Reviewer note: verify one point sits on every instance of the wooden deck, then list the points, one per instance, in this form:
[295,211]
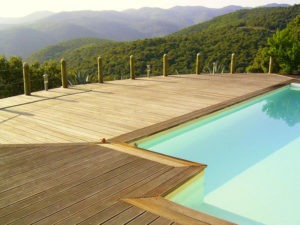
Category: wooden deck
[53,171]
[88,113]
[81,183]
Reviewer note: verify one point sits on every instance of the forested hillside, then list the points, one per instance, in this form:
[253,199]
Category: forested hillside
[24,39]
[284,48]
[62,49]
[253,35]
[243,32]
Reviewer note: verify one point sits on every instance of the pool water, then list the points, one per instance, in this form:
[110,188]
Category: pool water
[252,151]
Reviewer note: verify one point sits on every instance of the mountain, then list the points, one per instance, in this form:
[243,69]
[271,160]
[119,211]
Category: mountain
[243,32]
[7,21]
[275,5]
[121,26]
[62,49]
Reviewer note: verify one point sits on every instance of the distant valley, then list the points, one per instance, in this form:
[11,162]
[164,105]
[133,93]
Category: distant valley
[23,36]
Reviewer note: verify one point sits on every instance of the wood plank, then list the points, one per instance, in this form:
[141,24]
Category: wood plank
[161,221]
[106,215]
[69,182]
[94,209]
[126,216]
[175,212]
[56,168]
[145,218]
[88,191]
[131,190]
[153,205]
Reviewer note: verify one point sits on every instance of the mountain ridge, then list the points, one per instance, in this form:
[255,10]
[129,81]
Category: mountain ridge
[119,26]
[132,24]
[25,19]
[243,32]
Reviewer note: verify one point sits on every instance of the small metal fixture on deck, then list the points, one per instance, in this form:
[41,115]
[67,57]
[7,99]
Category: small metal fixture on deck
[148,70]
[45,81]
[214,68]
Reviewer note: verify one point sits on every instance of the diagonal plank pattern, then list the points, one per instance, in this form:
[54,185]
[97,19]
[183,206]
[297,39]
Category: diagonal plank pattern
[79,183]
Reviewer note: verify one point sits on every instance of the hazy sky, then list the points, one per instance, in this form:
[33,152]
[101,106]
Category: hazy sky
[17,8]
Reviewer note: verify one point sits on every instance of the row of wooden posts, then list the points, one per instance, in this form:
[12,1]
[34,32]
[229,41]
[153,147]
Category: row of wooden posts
[26,75]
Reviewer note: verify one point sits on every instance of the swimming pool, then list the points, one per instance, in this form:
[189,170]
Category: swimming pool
[252,151]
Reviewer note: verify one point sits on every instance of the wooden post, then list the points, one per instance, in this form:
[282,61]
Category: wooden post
[64,73]
[270,65]
[165,65]
[26,79]
[198,64]
[132,69]
[100,70]
[232,65]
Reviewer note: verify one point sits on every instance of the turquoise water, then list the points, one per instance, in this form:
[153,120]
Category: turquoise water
[252,152]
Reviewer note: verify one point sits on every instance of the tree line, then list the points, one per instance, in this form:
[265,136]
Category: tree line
[11,76]
[251,34]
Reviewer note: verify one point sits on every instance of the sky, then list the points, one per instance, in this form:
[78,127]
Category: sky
[19,8]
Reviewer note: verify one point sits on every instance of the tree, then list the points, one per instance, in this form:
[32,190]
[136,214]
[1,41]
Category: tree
[284,45]
[37,70]
[11,76]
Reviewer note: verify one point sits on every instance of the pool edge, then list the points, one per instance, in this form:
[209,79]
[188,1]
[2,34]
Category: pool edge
[156,204]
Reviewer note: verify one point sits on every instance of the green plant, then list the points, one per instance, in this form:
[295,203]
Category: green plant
[80,78]
[215,68]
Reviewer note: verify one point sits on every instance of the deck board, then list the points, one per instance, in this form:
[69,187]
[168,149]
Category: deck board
[54,185]
[145,218]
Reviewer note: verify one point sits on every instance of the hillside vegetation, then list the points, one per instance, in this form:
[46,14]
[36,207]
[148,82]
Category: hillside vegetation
[24,39]
[243,32]
[253,35]
[62,49]
[284,48]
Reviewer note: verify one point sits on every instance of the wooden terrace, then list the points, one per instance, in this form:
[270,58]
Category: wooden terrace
[55,170]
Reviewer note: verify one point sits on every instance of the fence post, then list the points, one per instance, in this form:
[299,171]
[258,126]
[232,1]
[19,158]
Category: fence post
[132,69]
[64,73]
[26,79]
[270,65]
[165,65]
[232,65]
[100,70]
[198,64]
